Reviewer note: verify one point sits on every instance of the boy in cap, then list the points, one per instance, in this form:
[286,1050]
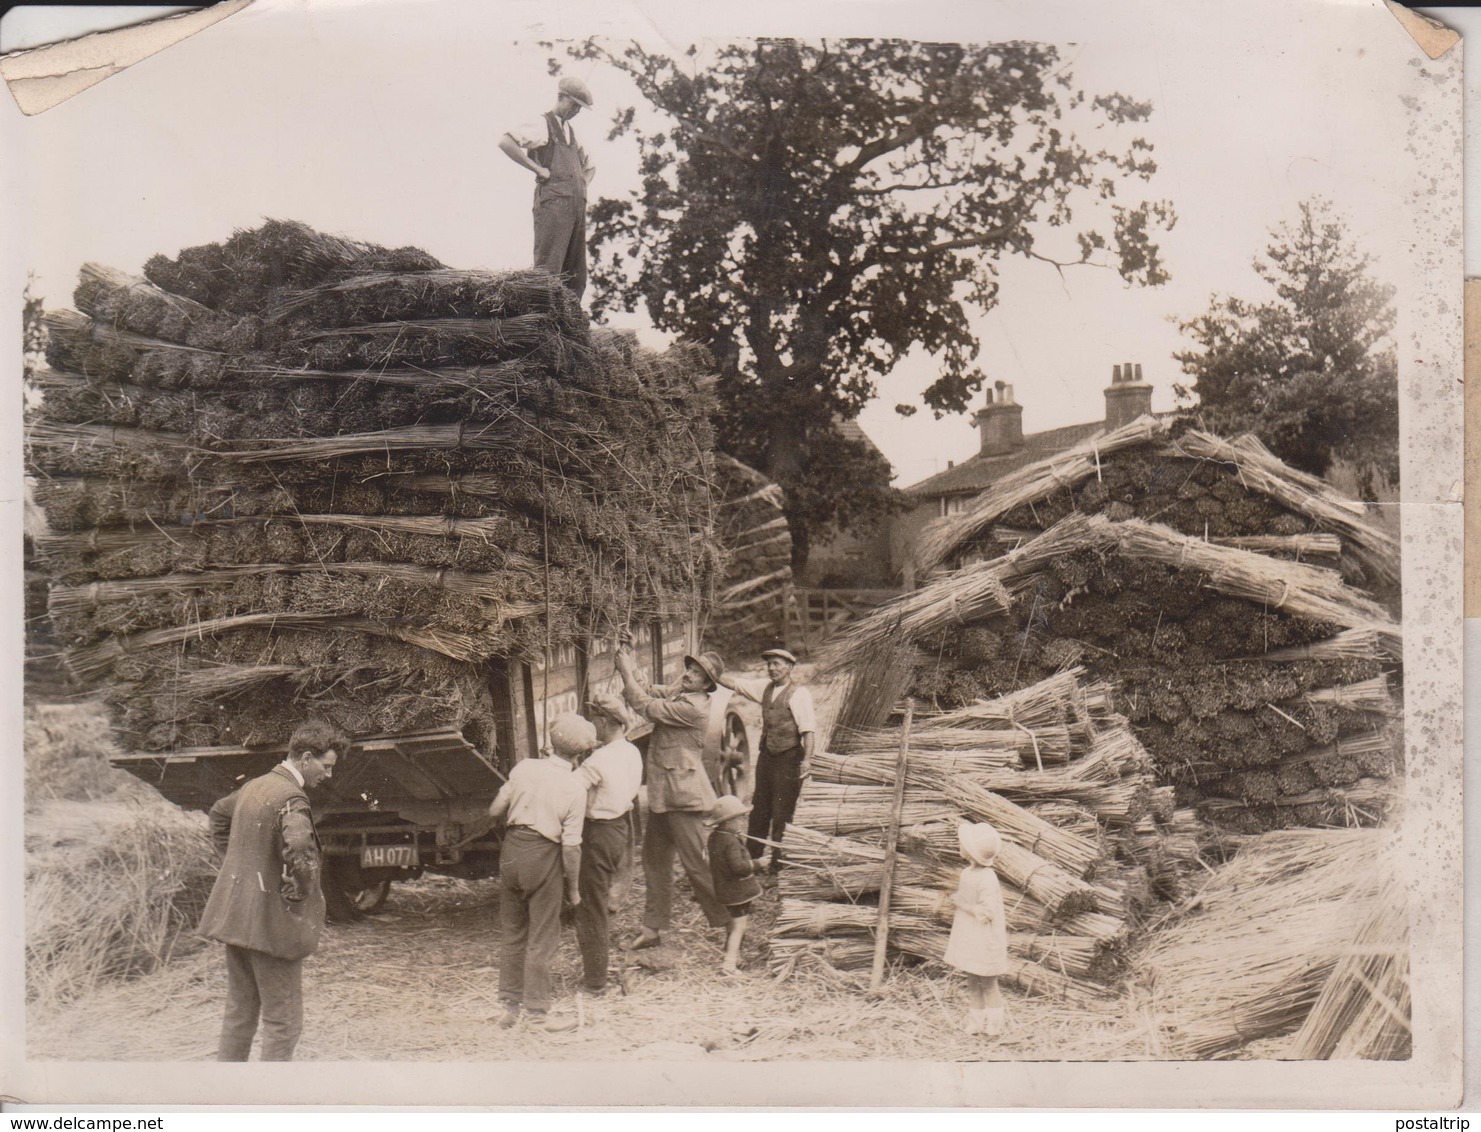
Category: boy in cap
[680,792]
[547,147]
[733,872]
[544,804]
[612,775]
[788,727]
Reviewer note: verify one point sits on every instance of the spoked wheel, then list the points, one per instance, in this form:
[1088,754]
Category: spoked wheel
[349,894]
[735,748]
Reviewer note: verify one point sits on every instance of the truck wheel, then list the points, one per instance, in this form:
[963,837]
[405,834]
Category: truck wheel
[736,741]
[348,894]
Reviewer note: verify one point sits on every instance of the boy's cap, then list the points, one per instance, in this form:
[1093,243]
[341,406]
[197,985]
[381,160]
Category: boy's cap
[726,807]
[610,706]
[572,734]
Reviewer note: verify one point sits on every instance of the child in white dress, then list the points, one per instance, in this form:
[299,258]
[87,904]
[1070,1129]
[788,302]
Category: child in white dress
[979,932]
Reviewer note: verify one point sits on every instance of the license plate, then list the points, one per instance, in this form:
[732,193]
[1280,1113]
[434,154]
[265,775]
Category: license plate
[388,857]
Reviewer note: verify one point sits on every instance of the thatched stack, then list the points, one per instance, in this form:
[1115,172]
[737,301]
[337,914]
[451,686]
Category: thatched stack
[1230,492]
[1259,685]
[1299,919]
[751,606]
[297,471]
[1087,837]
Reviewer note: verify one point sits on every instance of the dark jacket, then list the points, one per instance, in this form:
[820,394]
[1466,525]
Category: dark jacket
[731,868]
[267,896]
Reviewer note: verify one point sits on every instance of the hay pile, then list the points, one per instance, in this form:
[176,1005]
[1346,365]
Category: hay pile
[1295,912]
[1259,685]
[292,471]
[1230,492]
[1089,841]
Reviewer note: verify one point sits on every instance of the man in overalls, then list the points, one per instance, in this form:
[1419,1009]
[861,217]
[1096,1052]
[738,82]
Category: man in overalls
[788,725]
[547,147]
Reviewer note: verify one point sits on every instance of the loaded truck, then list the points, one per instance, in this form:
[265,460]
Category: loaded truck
[401,805]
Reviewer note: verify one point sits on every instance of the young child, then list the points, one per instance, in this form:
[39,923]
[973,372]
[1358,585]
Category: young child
[733,872]
[979,931]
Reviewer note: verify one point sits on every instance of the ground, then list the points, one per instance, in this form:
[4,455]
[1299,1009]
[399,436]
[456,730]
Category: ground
[419,983]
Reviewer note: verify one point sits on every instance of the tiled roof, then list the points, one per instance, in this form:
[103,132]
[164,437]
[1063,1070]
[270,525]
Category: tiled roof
[850,430]
[980,472]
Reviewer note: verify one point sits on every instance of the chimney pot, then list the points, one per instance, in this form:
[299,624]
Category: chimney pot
[1116,375]
[1000,423]
[1127,397]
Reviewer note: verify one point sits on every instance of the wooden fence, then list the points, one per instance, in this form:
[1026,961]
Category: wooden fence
[818,614]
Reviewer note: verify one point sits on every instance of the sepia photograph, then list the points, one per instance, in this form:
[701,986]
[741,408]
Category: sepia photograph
[652,556]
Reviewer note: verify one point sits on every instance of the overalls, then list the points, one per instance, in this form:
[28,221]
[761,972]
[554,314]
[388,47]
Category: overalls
[560,207]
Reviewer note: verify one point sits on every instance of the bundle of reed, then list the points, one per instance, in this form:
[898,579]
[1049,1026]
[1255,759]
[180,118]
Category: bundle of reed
[1028,484]
[1071,853]
[1249,956]
[1258,467]
[1350,644]
[834,809]
[465,435]
[1298,546]
[1072,817]
[1363,1010]
[1048,746]
[1366,695]
[409,294]
[822,918]
[1049,702]
[1162,803]
[128,302]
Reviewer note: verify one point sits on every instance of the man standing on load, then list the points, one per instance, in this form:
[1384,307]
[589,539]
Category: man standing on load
[547,147]
[788,725]
[267,905]
[680,791]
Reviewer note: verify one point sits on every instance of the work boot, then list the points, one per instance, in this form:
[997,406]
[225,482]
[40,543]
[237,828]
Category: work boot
[510,1017]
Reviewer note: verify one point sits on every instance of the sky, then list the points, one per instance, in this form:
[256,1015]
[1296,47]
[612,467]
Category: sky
[379,119]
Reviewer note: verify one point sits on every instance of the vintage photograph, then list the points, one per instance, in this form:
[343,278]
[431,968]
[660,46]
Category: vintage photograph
[793,538]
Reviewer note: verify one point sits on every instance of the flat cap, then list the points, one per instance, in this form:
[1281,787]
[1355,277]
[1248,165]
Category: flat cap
[577,89]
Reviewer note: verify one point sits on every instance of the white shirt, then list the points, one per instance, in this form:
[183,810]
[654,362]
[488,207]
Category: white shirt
[545,795]
[295,772]
[612,774]
[800,703]
[533,133]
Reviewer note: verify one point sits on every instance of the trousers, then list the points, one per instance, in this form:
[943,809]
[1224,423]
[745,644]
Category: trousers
[603,845]
[529,917]
[560,238]
[682,833]
[261,986]
[773,805]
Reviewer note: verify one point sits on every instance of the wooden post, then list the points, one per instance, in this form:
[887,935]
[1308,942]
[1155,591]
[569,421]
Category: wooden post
[892,839]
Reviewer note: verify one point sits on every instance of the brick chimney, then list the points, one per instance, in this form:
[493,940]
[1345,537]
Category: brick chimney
[1001,422]
[1127,397]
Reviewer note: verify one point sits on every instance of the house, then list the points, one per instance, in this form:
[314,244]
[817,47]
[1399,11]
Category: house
[1004,449]
[851,560]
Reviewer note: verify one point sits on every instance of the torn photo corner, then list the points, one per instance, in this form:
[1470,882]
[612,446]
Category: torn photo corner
[896,420]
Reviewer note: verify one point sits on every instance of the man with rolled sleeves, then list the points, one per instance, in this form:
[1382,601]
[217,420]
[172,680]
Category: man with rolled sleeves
[680,791]
[612,775]
[267,905]
[788,728]
[547,147]
[544,806]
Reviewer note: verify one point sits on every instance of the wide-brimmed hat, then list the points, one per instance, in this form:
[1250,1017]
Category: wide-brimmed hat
[710,663]
[780,654]
[610,706]
[576,89]
[727,806]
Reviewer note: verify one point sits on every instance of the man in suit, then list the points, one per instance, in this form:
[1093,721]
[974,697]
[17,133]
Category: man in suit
[681,789]
[267,906]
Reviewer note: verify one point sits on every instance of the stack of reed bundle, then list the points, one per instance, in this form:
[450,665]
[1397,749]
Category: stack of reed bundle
[1251,681]
[1070,906]
[1250,956]
[1234,492]
[752,603]
[295,472]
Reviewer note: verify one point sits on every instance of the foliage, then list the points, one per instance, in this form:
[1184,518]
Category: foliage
[813,211]
[1312,372]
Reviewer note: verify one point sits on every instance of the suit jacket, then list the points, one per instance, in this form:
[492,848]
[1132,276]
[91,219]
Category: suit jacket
[267,896]
[678,778]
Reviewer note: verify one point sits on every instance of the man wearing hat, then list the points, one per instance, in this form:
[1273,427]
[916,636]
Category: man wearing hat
[544,805]
[547,147]
[788,726]
[612,775]
[680,791]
